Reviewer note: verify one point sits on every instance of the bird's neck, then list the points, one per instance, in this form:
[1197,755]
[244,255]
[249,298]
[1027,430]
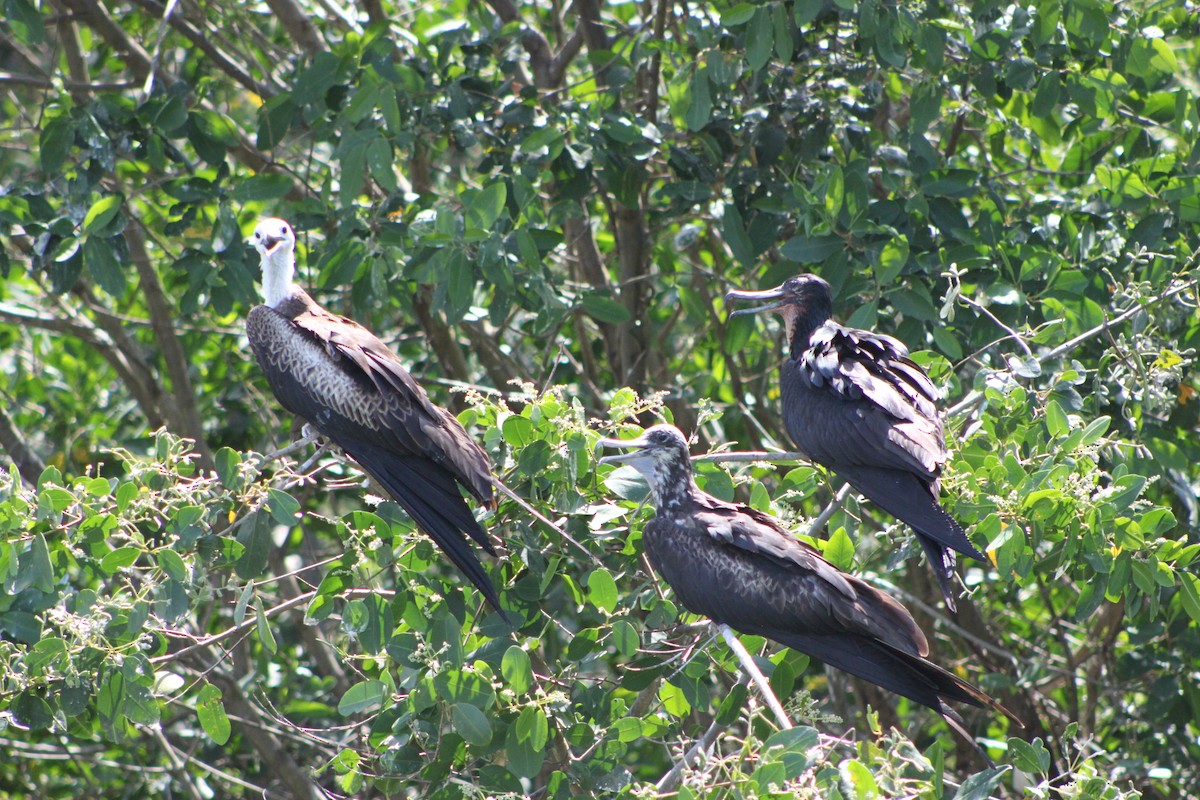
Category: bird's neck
[673,487]
[801,325]
[278,271]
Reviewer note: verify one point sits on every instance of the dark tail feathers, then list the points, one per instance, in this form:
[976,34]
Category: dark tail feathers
[905,674]
[431,497]
[907,498]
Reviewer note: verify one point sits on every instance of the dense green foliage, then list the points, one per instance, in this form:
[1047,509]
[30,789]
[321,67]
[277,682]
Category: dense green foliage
[540,209]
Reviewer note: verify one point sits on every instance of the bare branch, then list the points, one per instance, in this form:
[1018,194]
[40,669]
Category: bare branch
[755,674]
[11,441]
[98,18]
[220,58]
[293,19]
[183,396]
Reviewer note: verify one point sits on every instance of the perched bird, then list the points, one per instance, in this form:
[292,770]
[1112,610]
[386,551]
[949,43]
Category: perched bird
[739,567]
[338,376]
[855,403]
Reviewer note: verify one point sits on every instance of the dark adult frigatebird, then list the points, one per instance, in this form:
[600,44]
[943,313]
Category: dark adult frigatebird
[739,567]
[855,403]
[338,376]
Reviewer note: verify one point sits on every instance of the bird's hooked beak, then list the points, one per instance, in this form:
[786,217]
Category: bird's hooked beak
[772,299]
[635,446]
[264,244]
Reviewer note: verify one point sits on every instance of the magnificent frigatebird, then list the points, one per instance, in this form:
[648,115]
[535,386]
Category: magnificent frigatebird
[855,403]
[336,374]
[739,567]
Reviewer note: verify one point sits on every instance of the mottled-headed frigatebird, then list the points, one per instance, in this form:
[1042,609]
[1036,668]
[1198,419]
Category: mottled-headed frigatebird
[338,376]
[855,403]
[738,566]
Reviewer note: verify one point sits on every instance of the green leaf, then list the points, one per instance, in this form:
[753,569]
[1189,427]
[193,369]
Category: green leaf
[732,704]
[1189,594]
[735,236]
[267,186]
[625,638]
[760,39]
[1056,420]
[485,206]
[471,724]
[120,558]
[363,698]
[699,110]
[265,636]
[673,700]
[255,536]
[211,712]
[1094,430]
[103,266]
[284,508]
[892,258]
[55,143]
[602,308]
[602,590]
[532,727]
[25,21]
[859,779]
[739,14]
[517,669]
[981,785]
[171,563]
[102,212]
[1031,757]
[839,550]
[379,159]
[524,759]
[811,249]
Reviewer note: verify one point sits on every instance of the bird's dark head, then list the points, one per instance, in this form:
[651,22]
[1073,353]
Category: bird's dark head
[805,301]
[661,455]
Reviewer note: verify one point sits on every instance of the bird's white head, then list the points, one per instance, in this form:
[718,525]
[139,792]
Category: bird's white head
[276,245]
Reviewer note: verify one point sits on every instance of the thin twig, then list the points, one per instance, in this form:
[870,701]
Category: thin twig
[756,675]
[975,397]
[543,519]
[828,511]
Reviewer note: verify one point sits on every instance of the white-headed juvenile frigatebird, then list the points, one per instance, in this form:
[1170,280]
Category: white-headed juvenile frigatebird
[738,566]
[338,376]
[855,403]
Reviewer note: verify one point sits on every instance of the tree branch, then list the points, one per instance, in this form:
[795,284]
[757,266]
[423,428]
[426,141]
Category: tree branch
[28,463]
[297,24]
[755,674]
[220,58]
[98,18]
[183,396]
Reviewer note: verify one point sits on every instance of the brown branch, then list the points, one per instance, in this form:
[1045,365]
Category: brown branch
[11,441]
[375,13]
[132,53]
[125,355]
[445,347]
[182,400]
[14,79]
[594,36]
[68,37]
[563,58]
[655,71]
[128,364]
[221,60]
[269,746]
[499,367]
[297,24]
[540,56]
